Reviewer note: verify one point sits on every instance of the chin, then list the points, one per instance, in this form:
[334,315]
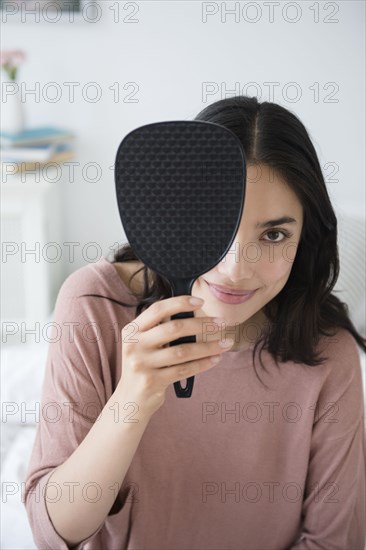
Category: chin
[231,317]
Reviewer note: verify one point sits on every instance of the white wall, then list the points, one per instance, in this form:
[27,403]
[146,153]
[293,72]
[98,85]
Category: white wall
[170,52]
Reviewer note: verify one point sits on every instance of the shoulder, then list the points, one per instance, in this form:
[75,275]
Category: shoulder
[101,277]
[342,367]
[341,347]
[341,350]
[93,290]
[92,304]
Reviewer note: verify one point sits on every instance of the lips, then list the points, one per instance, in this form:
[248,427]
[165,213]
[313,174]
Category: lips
[227,298]
[233,292]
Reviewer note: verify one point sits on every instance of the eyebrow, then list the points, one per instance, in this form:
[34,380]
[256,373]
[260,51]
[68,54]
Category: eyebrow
[279,221]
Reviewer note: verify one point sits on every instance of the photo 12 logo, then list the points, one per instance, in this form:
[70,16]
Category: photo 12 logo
[68,11]
[269,12]
[290,92]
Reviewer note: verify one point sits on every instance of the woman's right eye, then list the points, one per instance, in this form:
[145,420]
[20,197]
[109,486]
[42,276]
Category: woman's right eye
[285,234]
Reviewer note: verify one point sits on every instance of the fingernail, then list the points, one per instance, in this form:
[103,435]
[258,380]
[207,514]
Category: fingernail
[196,301]
[226,343]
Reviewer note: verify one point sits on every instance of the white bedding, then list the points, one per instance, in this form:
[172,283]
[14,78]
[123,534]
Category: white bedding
[22,371]
[15,530]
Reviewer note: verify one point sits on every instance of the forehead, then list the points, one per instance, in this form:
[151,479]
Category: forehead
[268,196]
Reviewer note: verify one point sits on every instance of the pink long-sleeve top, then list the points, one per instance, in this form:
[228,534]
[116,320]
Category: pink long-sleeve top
[235,466]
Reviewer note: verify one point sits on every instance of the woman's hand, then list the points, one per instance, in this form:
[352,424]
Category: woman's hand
[150,365]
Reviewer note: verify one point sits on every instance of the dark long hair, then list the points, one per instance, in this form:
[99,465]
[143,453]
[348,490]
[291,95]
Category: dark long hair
[305,308]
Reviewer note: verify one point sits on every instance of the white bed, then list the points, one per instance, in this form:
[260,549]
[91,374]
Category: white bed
[22,370]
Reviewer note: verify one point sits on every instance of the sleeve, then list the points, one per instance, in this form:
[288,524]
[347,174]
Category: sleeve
[334,510]
[73,395]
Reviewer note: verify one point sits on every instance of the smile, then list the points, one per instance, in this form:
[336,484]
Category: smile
[230,298]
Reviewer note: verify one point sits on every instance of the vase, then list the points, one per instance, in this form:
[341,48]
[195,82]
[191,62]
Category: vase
[12,118]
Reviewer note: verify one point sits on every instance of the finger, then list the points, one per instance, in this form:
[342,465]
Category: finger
[169,375]
[161,309]
[186,352]
[161,335]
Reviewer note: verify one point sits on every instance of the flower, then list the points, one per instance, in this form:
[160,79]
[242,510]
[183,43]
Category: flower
[10,61]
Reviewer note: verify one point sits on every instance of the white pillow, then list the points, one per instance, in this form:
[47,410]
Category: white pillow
[351,285]
[22,373]
[15,528]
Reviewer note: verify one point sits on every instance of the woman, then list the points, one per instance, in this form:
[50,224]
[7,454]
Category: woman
[272,459]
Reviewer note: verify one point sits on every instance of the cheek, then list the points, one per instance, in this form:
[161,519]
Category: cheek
[275,268]
[197,287]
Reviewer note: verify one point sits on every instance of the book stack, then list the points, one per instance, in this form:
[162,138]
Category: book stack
[34,148]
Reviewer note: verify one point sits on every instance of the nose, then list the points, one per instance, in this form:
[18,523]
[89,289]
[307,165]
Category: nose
[239,262]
